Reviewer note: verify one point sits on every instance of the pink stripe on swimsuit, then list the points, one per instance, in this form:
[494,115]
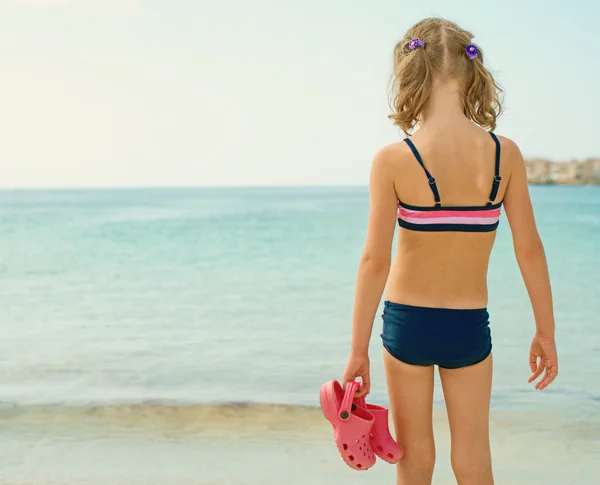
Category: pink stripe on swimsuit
[486,216]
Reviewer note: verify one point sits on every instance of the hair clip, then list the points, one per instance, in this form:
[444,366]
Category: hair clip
[416,43]
[472,51]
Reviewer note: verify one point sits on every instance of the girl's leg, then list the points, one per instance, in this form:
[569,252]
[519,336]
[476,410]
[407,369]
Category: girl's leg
[411,400]
[467,393]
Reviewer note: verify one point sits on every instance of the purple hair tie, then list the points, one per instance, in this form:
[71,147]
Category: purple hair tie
[472,51]
[416,43]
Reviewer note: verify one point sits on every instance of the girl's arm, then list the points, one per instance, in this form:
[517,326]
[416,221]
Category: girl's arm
[531,258]
[374,264]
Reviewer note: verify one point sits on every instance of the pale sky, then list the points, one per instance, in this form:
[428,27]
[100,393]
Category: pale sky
[99,93]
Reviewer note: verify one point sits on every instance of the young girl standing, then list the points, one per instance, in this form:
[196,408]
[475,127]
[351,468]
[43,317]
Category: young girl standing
[446,186]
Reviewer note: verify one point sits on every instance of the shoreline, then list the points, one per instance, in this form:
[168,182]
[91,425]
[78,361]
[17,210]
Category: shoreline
[230,418]
[293,448]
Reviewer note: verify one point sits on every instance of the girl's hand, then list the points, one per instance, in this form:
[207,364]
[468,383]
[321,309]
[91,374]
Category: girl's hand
[358,366]
[542,356]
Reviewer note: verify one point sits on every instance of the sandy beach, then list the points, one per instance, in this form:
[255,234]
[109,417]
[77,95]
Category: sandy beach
[299,446]
[263,445]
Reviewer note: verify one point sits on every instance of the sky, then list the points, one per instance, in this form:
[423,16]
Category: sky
[130,93]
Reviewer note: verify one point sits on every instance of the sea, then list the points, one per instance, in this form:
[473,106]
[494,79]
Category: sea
[180,336]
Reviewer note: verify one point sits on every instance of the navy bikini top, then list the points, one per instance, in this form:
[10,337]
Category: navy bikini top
[452,218]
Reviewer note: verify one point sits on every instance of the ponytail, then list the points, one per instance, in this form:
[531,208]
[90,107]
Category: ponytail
[481,102]
[412,83]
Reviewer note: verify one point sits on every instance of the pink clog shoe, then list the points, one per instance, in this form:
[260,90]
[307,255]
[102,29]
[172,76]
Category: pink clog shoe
[351,424]
[382,443]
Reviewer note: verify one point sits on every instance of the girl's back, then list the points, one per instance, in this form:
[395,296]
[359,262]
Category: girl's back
[448,268]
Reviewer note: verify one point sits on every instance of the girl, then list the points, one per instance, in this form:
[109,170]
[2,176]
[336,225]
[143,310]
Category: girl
[446,186]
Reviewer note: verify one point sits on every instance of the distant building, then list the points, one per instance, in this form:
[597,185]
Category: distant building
[568,173]
[538,171]
[595,168]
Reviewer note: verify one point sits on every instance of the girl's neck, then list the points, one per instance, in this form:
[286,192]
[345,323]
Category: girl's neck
[444,108]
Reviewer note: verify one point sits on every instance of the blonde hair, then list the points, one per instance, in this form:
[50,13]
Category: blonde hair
[444,56]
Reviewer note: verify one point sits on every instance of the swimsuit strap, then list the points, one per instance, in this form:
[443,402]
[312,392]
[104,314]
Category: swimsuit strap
[497,177]
[432,185]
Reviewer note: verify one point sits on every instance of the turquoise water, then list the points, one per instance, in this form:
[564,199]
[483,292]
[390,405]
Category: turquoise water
[146,302]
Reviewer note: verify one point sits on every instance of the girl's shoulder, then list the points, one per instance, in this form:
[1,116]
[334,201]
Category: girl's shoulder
[510,152]
[508,145]
[394,154]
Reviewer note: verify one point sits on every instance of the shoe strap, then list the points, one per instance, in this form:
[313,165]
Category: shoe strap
[346,407]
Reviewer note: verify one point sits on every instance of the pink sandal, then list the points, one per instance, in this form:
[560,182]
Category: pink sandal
[382,443]
[351,424]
